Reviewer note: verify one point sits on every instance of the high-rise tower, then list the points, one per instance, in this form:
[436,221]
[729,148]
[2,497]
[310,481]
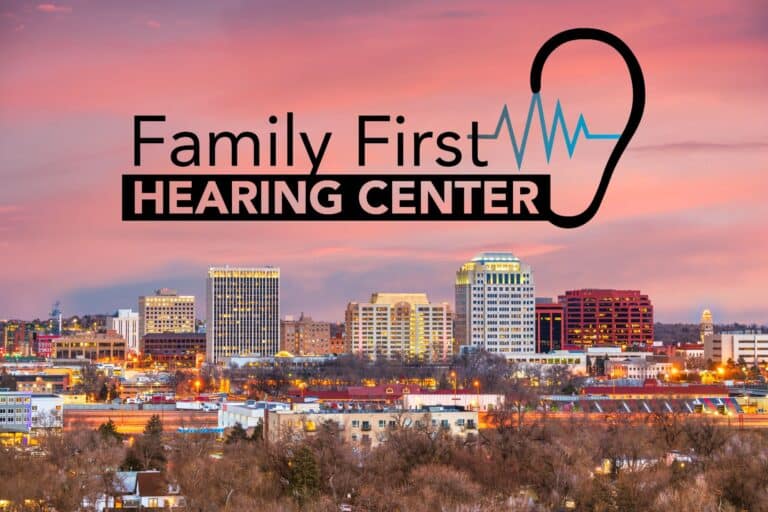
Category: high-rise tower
[495,304]
[243,312]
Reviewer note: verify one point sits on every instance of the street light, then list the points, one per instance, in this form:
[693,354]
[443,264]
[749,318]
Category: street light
[476,384]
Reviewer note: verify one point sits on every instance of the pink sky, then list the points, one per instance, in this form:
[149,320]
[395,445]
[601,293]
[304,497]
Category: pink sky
[683,220]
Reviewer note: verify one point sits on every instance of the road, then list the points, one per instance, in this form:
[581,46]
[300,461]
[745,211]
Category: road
[742,421]
[133,422]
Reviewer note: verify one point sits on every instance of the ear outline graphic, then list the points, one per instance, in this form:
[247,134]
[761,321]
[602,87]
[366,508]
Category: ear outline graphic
[635,114]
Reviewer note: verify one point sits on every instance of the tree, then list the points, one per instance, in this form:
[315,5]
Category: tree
[147,451]
[304,481]
[237,434]
[258,431]
[669,428]
[7,381]
[108,431]
[154,426]
[103,392]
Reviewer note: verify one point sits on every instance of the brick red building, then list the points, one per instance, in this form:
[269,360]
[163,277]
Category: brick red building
[43,345]
[607,317]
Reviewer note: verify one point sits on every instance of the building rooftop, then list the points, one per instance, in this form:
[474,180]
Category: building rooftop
[395,298]
[655,388]
[151,484]
[497,257]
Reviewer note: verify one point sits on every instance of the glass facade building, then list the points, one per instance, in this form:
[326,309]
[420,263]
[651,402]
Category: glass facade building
[243,312]
[549,326]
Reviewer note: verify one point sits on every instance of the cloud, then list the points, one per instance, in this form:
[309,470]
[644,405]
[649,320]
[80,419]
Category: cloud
[153,24]
[702,146]
[52,8]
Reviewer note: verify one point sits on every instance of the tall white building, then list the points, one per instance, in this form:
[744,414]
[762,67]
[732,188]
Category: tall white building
[243,312]
[126,323]
[495,304]
[400,326]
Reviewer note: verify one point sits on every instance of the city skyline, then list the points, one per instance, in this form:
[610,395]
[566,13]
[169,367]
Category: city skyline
[682,219]
[336,315]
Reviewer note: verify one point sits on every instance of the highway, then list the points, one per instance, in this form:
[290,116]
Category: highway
[749,421]
[133,422]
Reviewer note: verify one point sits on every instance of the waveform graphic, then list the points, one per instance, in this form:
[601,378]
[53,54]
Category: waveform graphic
[547,137]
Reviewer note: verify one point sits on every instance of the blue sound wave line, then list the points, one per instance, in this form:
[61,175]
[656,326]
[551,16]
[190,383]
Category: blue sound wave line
[547,137]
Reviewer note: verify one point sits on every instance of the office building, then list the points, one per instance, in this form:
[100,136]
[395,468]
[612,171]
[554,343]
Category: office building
[400,326]
[369,428]
[15,412]
[96,347]
[749,347]
[495,307]
[166,311]
[248,414]
[638,368]
[607,317]
[126,324]
[181,348]
[243,312]
[549,325]
[304,336]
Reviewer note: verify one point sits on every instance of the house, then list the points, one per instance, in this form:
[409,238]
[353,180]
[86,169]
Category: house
[141,490]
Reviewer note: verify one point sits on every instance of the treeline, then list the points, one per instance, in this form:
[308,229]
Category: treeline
[689,333]
[519,467]
[478,371]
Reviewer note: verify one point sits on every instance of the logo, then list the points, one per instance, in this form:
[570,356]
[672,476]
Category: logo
[320,196]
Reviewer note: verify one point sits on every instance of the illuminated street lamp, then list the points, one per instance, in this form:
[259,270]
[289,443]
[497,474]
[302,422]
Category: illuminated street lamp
[302,387]
[476,384]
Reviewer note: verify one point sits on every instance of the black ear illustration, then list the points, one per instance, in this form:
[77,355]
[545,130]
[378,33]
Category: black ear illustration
[635,114]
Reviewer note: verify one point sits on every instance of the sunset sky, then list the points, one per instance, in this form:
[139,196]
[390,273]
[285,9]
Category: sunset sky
[684,219]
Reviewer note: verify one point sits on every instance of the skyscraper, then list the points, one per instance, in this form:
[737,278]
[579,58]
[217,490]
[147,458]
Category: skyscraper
[126,324]
[243,312]
[607,317]
[400,326]
[166,311]
[495,307]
